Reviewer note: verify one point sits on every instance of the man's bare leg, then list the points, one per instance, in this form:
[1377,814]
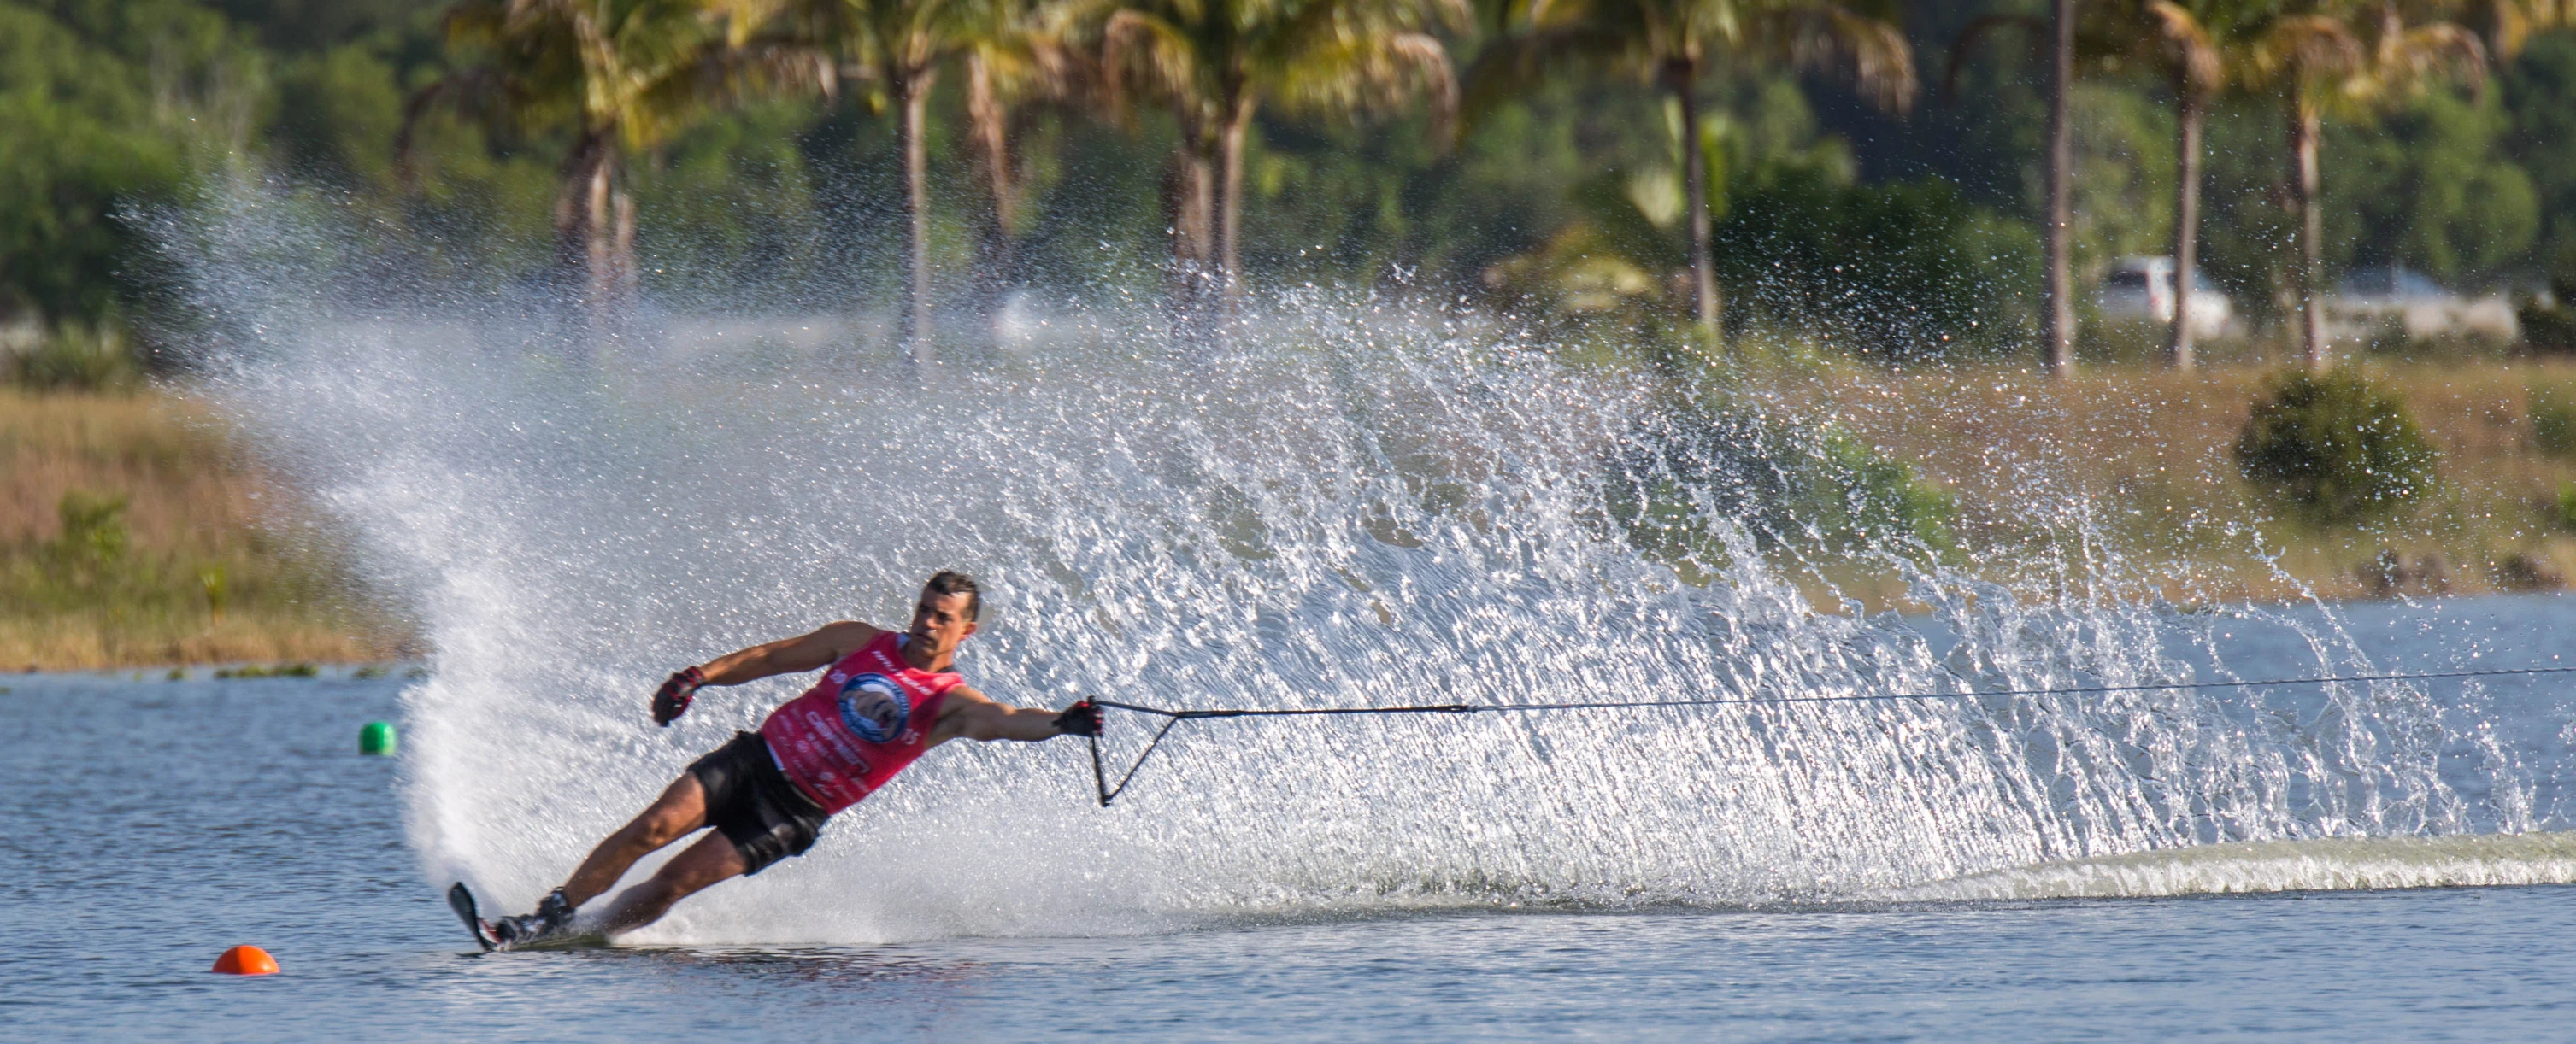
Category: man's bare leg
[713,858]
[681,810]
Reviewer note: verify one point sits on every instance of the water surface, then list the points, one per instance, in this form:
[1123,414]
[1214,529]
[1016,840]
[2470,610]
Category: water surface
[155,823]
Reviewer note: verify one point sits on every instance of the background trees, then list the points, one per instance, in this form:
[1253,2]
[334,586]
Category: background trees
[969,147]
[1214,62]
[1674,44]
[2358,58]
[617,77]
[2199,41]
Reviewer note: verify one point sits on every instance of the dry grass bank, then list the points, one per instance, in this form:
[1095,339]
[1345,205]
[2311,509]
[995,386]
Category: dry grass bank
[207,560]
[2149,452]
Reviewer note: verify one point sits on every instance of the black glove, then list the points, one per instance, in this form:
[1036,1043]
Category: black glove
[1081,719]
[673,699]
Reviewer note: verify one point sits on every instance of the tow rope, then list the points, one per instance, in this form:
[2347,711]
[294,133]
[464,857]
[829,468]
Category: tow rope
[1100,773]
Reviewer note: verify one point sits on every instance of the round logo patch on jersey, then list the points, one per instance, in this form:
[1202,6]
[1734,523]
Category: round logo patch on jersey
[875,708]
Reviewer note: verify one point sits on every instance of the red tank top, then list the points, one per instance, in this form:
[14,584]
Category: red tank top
[868,717]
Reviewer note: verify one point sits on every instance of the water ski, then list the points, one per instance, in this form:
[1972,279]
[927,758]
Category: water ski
[462,901]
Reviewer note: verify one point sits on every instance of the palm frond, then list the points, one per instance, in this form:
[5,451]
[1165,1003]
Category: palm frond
[1142,49]
[2305,46]
[1870,53]
[1358,73]
[1513,66]
[2194,52]
[2407,57]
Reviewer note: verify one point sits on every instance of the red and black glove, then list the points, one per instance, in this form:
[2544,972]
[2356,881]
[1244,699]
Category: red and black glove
[1081,719]
[673,698]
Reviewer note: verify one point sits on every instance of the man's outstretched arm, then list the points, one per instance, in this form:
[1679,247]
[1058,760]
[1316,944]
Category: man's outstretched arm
[801,653]
[972,715]
[804,652]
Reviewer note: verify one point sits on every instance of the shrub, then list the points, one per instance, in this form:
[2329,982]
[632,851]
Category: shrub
[94,532]
[2549,323]
[2553,423]
[78,357]
[2548,327]
[91,558]
[1857,496]
[2522,572]
[1803,491]
[2335,449]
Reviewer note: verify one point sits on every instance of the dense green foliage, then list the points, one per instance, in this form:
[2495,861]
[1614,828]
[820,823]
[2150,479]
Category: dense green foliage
[1904,237]
[2336,449]
[1691,482]
[1907,269]
[79,137]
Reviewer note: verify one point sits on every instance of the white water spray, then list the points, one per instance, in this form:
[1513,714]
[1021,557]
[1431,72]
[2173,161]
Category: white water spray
[1353,503]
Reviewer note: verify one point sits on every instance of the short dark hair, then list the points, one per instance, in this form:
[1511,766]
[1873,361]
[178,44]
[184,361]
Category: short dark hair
[951,582]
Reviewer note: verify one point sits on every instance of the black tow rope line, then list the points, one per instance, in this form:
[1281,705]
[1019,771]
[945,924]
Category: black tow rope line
[1100,775]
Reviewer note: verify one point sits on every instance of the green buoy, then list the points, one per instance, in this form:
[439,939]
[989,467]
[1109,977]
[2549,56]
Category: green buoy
[376,738]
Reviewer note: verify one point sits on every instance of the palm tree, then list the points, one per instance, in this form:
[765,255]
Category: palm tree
[1675,44]
[624,75]
[2064,40]
[898,45]
[1016,51]
[2192,34]
[2317,58]
[2309,56]
[1216,61]
[2059,296]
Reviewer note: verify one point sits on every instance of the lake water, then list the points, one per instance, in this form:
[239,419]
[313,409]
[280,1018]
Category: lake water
[154,823]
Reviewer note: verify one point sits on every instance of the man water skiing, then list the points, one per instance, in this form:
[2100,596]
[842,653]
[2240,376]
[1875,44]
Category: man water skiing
[887,698]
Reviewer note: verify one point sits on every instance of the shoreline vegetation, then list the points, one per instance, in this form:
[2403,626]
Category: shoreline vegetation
[2150,451]
[135,532]
[138,533]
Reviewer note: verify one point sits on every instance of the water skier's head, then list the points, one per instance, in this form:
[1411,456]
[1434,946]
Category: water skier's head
[946,613]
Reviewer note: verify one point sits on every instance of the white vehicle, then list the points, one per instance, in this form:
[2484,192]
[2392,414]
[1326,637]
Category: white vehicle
[2143,288]
[2388,298]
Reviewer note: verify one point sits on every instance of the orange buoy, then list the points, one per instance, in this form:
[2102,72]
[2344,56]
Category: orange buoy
[246,960]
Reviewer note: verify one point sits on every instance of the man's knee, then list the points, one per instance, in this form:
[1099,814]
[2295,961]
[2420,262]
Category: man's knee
[681,810]
[683,877]
[712,859]
[660,827]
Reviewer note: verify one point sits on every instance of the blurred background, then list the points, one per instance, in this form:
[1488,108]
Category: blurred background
[2359,210]
[1859,163]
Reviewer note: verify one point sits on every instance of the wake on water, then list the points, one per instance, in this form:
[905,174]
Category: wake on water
[1354,501]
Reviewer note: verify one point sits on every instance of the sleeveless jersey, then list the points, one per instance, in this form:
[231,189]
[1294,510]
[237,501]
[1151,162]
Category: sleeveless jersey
[868,717]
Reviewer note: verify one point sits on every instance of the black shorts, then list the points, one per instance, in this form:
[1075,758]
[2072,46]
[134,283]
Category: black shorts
[754,805]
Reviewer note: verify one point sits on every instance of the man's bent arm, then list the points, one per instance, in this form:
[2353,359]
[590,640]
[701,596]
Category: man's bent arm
[789,655]
[973,715]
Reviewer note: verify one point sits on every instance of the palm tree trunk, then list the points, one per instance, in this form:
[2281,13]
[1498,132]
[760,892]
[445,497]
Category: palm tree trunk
[912,91]
[2307,259]
[2059,302]
[2186,231]
[1682,76]
[991,118]
[599,276]
[1189,184]
[1229,202]
[573,214]
[621,249]
[588,248]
